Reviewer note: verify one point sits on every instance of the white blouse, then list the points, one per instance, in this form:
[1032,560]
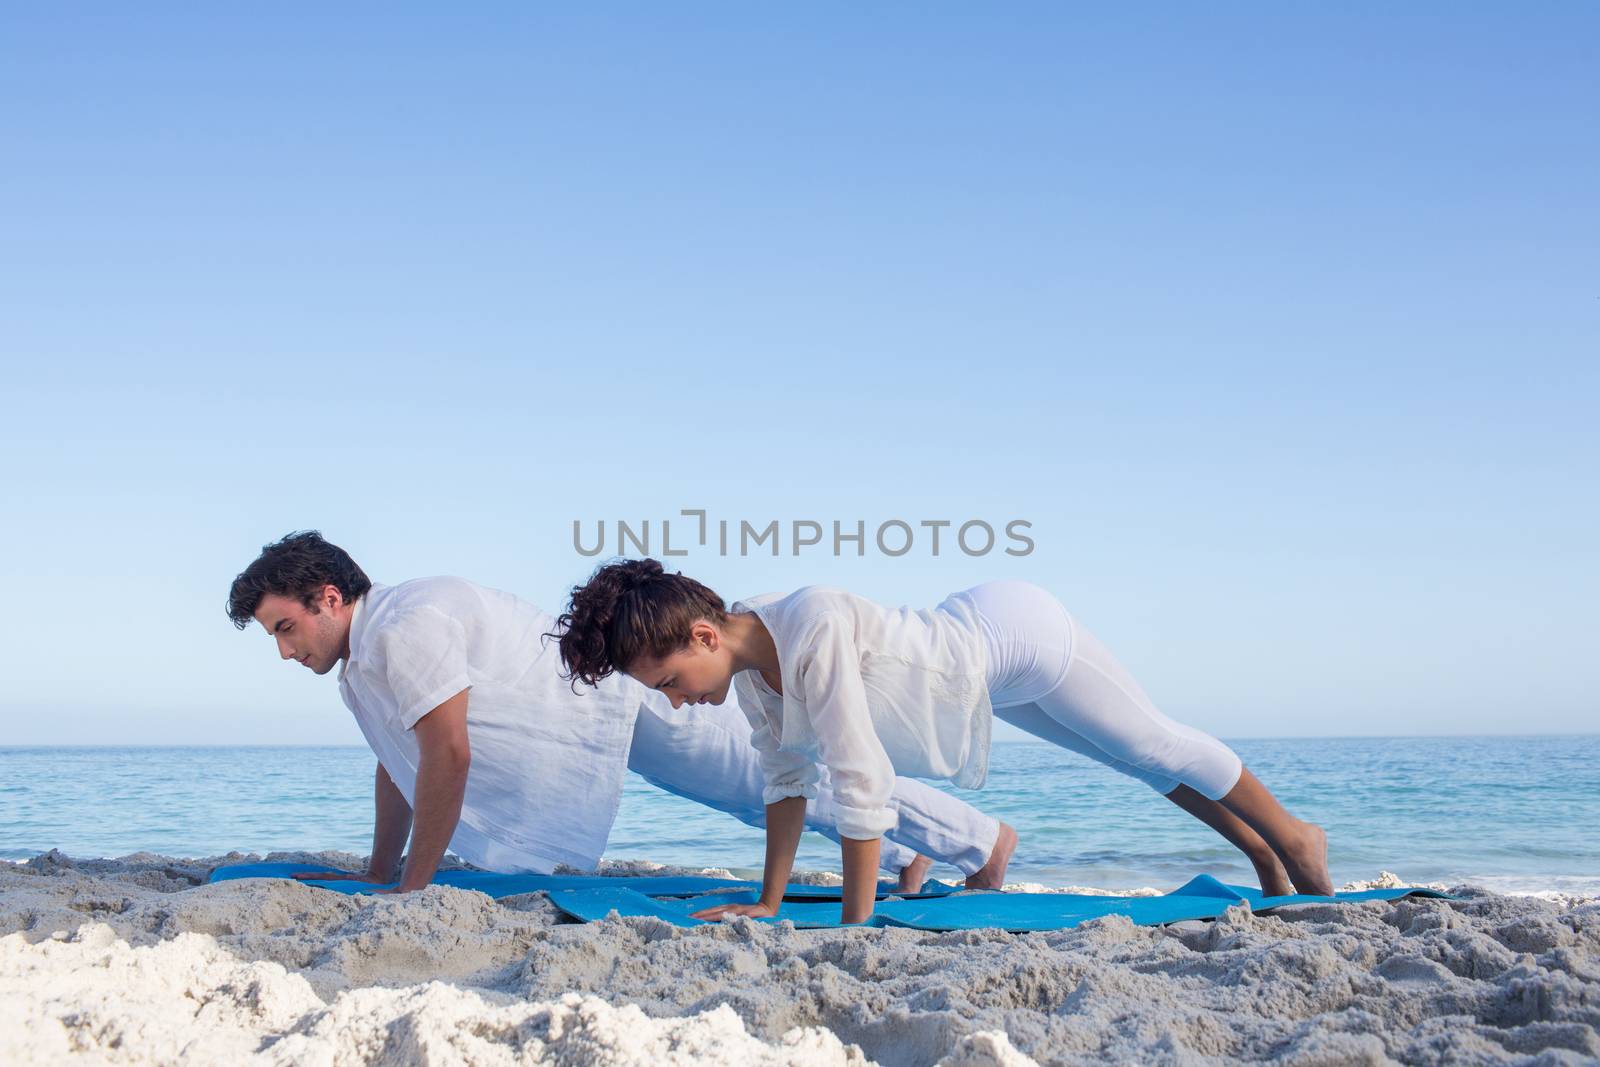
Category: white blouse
[871,692]
[548,764]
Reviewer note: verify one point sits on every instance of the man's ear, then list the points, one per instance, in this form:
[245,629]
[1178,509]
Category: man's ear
[332,599]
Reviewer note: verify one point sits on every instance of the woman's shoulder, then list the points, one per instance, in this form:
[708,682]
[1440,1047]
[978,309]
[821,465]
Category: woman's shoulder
[796,616]
[813,603]
[800,603]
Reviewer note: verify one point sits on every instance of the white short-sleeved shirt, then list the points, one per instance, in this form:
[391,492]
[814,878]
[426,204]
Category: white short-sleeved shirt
[548,763]
[871,692]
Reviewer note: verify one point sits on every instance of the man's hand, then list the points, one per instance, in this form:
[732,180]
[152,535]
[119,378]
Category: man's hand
[353,876]
[728,911]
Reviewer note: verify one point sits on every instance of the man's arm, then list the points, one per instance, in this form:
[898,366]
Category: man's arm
[391,823]
[390,828]
[441,784]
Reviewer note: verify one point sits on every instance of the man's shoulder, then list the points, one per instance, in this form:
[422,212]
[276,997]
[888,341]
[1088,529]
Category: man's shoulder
[421,605]
[442,587]
[452,596]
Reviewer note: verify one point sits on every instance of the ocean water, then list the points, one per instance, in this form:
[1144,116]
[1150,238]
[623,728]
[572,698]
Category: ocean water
[1513,814]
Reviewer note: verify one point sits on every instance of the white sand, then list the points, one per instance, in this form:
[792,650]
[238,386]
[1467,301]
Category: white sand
[136,961]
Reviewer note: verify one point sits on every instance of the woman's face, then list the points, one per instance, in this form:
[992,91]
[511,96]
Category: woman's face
[699,672]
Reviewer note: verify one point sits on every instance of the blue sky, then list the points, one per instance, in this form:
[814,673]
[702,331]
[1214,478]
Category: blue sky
[1278,325]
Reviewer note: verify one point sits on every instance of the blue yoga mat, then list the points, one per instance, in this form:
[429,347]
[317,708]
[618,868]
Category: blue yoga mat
[1202,898]
[505,885]
[593,897]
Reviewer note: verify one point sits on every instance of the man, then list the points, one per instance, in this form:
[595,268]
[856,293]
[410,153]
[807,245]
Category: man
[485,750]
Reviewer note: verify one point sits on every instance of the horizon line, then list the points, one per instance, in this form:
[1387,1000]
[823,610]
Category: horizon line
[1008,741]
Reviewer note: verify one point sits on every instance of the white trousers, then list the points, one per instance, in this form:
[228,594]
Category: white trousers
[1053,678]
[705,755]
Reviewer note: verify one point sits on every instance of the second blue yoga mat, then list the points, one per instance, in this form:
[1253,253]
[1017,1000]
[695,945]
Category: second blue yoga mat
[1201,898]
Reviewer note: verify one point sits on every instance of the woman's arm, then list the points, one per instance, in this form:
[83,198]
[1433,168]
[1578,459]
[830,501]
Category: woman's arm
[786,820]
[791,779]
[860,878]
[859,768]
[829,676]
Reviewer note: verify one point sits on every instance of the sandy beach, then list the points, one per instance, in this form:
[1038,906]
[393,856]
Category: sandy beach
[137,960]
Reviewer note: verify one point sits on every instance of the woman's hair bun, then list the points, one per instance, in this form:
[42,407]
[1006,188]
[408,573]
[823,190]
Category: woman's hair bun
[627,609]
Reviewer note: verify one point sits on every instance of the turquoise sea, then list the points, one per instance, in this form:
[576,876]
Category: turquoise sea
[1514,814]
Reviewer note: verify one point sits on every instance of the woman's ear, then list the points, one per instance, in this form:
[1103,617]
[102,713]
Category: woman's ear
[706,635]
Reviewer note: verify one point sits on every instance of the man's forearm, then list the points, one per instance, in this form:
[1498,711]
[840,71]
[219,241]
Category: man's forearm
[390,827]
[441,784]
[786,820]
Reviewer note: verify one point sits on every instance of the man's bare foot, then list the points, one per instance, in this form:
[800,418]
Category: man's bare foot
[913,874]
[992,875]
[1307,862]
[1273,878]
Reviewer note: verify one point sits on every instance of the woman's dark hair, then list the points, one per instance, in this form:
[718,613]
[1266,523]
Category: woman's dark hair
[297,567]
[628,609]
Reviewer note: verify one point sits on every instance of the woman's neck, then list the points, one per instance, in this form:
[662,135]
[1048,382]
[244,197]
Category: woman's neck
[750,645]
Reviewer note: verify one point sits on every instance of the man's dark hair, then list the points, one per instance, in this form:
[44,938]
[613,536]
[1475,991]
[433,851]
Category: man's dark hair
[298,567]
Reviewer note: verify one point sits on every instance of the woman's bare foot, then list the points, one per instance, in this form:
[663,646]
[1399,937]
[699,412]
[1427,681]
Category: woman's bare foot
[913,874]
[992,875]
[1306,861]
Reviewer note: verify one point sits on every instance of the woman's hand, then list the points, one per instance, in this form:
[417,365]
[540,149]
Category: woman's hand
[728,911]
[338,876]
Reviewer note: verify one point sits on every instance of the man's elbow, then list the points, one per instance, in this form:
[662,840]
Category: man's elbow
[453,756]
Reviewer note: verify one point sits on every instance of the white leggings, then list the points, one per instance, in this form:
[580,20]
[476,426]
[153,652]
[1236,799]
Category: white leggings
[1051,677]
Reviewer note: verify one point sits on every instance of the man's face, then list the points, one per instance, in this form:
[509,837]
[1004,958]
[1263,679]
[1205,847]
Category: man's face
[318,639]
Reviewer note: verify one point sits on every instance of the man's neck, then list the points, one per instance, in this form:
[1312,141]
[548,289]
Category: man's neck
[348,620]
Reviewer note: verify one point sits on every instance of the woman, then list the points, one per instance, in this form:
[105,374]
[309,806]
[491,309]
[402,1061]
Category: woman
[873,692]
